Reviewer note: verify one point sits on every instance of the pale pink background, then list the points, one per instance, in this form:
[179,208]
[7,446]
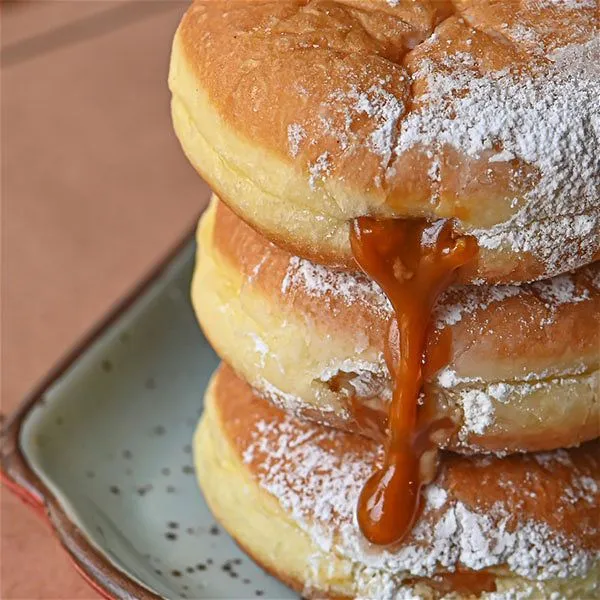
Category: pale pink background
[94,190]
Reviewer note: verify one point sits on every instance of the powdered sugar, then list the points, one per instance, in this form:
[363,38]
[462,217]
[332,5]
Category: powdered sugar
[317,480]
[435,497]
[560,290]
[385,109]
[277,397]
[555,292]
[500,391]
[452,306]
[479,404]
[546,459]
[257,268]
[478,412]
[564,4]
[381,107]
[545,121]
[461,300]
[550,121]
[448,378]
[582,489]
[296,134]
[522,33]
[322,282]
[318,170]
[367,379]
[524,594]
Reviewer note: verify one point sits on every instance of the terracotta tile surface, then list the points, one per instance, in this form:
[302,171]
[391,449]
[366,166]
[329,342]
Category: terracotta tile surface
[94,191]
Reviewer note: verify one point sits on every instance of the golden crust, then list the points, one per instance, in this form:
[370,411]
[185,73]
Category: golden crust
[533,517]
[516,368]
[296,114]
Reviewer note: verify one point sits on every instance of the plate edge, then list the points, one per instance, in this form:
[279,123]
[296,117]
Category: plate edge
[18,476]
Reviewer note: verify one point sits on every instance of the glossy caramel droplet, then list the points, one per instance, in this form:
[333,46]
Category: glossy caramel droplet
[438,351]
[389,501]
[413,261]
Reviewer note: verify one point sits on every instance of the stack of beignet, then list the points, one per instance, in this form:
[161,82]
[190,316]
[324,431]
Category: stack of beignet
[399,275]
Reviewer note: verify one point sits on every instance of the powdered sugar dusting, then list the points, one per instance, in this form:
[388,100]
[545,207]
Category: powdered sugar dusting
[435,497]
[316,478]
[452,306]
[568,4]
[296,134]
[545,121]
[367,379]
[477,400]
[522,33]
[448,378]
[525,594]
[461,300]
[478,412]
[287,402]
[550,121]
[318,170]
[479,404]
[321,282]
[560,290]
[386,110]
[312,463]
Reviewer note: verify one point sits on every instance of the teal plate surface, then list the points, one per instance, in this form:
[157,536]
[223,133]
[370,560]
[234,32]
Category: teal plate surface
[104,450]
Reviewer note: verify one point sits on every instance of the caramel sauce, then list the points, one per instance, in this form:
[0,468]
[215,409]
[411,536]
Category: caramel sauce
[371,421]
[438,351]
[467,583]
[413,261]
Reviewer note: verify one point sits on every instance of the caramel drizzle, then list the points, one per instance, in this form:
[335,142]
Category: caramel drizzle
[413,261]
[469,583]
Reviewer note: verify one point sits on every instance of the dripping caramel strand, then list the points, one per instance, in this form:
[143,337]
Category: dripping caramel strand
[413,261]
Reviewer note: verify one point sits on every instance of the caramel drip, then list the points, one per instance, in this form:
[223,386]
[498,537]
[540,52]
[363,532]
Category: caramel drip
[413,261]
[438,351]
[468,583]
[371,421]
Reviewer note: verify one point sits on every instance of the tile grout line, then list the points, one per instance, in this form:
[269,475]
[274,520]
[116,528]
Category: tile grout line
[127,13]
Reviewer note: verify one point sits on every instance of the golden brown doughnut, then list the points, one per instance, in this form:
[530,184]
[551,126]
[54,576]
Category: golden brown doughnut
[515,367]
[303,115]
[525,526]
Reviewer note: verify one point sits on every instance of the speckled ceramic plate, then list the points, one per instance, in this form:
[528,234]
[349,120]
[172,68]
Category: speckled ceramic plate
[103,450]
